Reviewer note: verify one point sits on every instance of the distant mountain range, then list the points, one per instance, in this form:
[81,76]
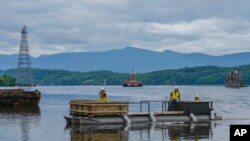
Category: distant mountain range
[123,60]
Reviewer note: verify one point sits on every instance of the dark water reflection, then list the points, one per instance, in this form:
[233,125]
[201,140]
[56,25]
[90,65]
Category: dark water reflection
[159,131]
[20,111]
[21,116]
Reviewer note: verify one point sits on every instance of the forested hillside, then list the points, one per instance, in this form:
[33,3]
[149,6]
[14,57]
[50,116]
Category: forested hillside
[208,75]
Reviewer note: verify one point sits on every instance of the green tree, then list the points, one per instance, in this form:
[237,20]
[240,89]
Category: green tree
[6,80]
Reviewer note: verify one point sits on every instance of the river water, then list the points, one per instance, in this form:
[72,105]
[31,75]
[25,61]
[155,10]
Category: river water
[46,122]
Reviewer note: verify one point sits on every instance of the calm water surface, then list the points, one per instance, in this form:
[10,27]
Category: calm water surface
[47,123]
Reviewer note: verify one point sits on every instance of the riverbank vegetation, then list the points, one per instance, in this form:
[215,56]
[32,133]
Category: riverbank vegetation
[6,80]
[206,75]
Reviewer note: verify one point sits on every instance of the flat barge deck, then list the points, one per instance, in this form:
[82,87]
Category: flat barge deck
[91,112]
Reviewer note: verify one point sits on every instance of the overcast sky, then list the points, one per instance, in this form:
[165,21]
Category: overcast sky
[214,27]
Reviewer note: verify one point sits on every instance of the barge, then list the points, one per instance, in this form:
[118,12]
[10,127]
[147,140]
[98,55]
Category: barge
[91,112]
[19,97]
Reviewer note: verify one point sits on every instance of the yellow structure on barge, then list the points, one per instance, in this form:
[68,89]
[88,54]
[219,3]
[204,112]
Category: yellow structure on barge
[97,108]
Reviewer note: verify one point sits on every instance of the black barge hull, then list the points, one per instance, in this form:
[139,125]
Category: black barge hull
[19,97]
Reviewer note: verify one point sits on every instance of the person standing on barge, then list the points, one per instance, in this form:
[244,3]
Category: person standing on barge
[103,95]
[175,98]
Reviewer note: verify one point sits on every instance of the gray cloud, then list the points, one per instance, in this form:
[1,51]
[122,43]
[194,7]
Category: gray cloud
[208,26]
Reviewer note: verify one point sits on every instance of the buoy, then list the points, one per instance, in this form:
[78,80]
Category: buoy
[212,115]
[127,120]
[151,129]
[152,117]
[126,128]
[212,125]
[193,118]
[192,126]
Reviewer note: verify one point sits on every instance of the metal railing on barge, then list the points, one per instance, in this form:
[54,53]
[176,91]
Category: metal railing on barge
[186,106]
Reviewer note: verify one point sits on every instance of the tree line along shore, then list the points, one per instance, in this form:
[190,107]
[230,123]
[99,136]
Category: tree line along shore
[205,75]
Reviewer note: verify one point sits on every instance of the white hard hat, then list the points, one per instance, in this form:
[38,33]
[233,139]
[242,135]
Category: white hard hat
[197,95]
[176,87]
[102,88]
